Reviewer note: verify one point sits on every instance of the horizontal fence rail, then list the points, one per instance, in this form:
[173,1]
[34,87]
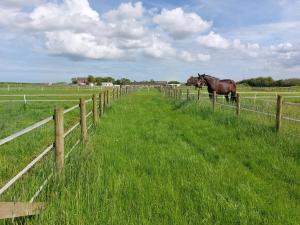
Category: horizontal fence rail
[26,130]
[273,105]
[98,104]
[26,169]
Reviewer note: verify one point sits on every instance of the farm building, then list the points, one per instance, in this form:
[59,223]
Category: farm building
[173,85]
[80,80]
[107,84]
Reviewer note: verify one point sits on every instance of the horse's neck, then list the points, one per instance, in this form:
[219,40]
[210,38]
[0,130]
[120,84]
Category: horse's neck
[211,83]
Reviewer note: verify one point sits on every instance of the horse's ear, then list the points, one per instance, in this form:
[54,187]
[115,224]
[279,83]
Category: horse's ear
[199,75]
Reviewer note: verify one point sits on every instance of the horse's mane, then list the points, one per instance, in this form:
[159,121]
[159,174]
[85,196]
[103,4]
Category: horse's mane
[211,77]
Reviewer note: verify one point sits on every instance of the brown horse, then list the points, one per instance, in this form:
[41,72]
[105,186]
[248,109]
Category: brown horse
[222,87]
[194,81]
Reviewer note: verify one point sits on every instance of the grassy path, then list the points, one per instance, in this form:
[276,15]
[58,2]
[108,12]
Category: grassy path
[155,162]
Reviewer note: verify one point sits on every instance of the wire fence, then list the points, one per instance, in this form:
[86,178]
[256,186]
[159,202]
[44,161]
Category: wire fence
[89,112]
[277,108]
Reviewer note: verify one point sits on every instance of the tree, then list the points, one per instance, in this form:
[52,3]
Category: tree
[91,79]
[74,80]
[122,81]
[270,82]
[173,82]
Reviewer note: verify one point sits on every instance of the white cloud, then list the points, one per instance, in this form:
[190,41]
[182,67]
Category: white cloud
[71,15]
[81,45]
[189,57]
[18,3]
[285,51]
[126,11]
[180,24]
[213,40]
[72,28]
[282,47]
[159,49]
[249,49]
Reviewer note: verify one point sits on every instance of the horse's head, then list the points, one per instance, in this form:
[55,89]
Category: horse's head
[193,81]
[201,80]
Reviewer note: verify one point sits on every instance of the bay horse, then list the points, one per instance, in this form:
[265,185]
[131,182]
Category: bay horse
[222,87]
[194,81]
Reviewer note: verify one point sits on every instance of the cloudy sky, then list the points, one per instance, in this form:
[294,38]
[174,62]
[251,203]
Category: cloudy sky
[54,40]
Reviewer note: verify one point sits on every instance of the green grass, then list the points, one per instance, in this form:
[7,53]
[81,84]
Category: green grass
[155,161]
[16,154]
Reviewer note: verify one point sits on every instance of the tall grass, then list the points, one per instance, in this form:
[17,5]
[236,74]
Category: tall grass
[154,161]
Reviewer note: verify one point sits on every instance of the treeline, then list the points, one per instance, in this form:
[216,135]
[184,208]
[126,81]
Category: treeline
[270,82]
[99,80]
[123,81]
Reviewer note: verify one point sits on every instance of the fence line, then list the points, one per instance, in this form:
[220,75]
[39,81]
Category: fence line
[26,169]
[26,130]
[37,193]
[73,147]
[46,95]
[90,113]
[291,119]
[52,146]
[71,129]
[40,100]
[174,93]
[32,127]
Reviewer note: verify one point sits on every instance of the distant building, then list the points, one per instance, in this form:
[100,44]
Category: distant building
[107,84]
[80,80]
[174,85]
[117,85]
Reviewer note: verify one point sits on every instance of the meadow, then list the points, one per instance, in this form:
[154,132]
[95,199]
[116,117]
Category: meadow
[154,160]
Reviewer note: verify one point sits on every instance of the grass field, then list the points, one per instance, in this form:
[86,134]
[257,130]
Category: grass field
[154,161]
[15,116]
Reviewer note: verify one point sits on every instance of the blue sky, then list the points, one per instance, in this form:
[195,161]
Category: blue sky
[54,40]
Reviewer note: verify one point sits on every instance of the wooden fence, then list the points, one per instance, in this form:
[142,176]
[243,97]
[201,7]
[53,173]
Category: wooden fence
[99,104]
[278,116]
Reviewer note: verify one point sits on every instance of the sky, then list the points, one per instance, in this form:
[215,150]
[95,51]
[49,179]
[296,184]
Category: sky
[55,40]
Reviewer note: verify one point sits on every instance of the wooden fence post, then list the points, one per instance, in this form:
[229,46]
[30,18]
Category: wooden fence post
[187,94]
[104,102]
[198,97]
[113,94]
[278,113]
[107,97]
[83,120]
[95,115]
[214,100]
[100,105]
[59,139]
[238,104]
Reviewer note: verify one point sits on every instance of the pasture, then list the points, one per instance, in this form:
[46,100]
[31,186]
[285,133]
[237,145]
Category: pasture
[156,160]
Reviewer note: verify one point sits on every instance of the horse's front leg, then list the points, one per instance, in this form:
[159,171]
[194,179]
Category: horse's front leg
[227,98]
